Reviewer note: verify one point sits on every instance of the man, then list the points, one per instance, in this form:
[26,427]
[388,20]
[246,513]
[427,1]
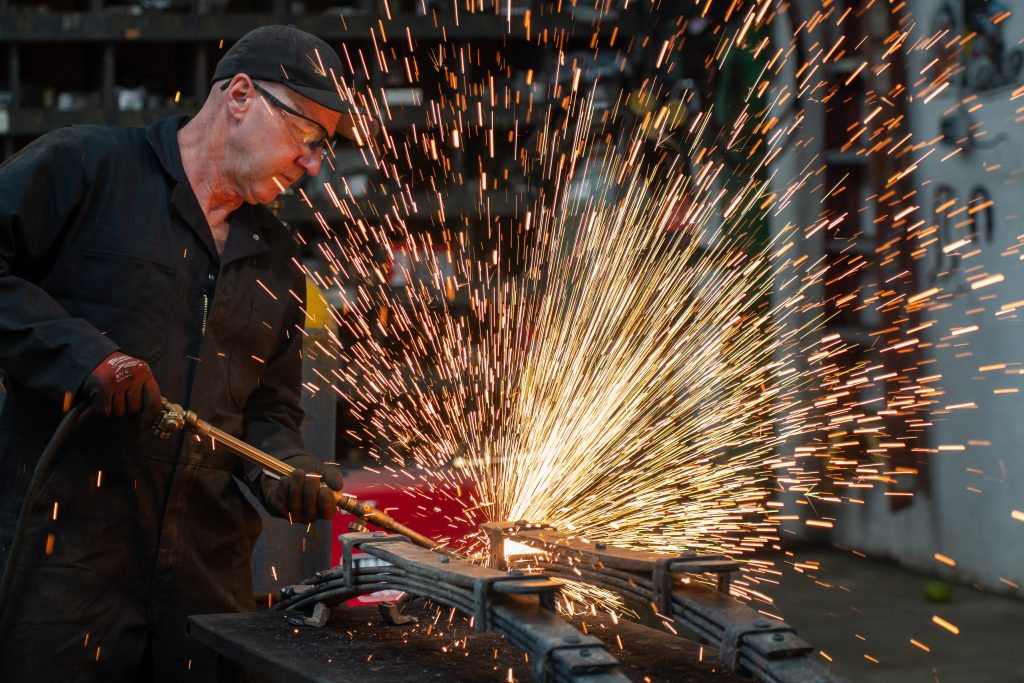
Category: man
[135,263]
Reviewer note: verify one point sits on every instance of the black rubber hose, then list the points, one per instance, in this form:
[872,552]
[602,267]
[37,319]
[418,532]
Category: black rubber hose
[71,421]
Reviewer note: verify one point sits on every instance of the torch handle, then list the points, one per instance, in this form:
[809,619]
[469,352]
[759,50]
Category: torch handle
[175,418]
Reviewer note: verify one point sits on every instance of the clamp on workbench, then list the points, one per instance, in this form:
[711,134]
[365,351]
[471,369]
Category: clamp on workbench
[352,541]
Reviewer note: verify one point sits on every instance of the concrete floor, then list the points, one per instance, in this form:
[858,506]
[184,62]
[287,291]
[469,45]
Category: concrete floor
[853,608]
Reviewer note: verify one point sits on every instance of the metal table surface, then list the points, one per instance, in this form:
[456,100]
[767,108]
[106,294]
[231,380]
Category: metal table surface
[357,645]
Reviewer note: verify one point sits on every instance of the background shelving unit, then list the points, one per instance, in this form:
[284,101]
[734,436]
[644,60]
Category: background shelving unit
[117,62]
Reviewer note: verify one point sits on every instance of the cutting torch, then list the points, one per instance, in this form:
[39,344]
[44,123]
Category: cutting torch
[174,418]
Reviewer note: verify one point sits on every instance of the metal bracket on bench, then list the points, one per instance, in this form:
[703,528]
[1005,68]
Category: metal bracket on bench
[497,532]
[350,542]
[515,584]
[760,634]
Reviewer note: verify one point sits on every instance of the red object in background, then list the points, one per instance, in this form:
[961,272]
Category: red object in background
[678,219]
[422,500]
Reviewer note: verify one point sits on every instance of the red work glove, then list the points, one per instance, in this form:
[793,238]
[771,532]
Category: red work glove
[122,385]
[300,497]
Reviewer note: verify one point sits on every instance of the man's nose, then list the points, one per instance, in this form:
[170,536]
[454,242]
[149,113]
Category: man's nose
[311,161]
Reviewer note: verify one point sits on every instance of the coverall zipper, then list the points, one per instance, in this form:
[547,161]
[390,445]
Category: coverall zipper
[206,310]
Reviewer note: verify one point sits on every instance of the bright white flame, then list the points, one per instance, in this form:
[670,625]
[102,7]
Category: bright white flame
[512,548]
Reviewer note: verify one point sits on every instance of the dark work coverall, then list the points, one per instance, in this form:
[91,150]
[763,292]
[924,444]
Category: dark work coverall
[103,246]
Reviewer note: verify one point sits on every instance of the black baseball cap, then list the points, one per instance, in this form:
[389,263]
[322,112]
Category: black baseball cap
[300,61]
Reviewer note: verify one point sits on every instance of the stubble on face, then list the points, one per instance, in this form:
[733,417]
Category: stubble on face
[272,176]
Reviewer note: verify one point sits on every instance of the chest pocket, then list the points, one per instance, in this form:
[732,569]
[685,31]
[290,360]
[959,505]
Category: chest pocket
[127,281]
[254,348]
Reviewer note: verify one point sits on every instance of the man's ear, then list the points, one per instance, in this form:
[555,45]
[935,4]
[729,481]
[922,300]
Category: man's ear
[239,91]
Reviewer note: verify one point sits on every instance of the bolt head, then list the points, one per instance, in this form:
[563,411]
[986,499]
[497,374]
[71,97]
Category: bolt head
[572,639]
[443,559]
[600,546]
[761,623]
[584,653]
[778,637]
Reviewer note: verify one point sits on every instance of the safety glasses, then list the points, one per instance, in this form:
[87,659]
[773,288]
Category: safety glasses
[318,142]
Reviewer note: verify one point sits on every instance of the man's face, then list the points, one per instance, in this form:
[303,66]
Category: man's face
[286,141]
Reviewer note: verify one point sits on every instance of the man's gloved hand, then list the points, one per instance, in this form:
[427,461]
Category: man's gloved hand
[122,385]
[299,496]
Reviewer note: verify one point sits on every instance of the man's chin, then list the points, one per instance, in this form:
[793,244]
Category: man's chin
[268,194]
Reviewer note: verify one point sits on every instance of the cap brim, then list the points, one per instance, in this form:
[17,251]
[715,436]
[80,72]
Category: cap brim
[353,124]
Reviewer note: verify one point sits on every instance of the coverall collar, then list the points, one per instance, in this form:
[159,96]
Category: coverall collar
[163,138]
